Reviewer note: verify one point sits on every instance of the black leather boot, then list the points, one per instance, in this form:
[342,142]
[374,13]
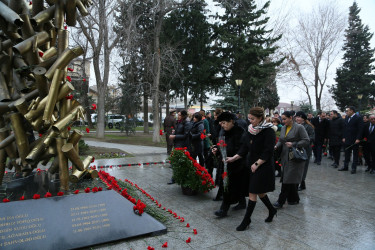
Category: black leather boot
[272,211]
[247,219]
[302,186]
[223,211]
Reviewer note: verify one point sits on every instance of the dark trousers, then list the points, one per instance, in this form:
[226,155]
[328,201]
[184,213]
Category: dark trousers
[169,143]
[367,154]
[371,162]
[336,150]
[318,152]
[290,192]
[348,152]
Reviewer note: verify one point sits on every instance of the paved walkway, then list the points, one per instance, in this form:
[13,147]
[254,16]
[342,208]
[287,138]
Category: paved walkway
[336,211]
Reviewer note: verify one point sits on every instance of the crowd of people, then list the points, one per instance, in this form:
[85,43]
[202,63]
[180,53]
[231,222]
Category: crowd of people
[261,148]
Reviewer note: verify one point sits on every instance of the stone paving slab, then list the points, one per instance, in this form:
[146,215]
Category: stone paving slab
[336,211]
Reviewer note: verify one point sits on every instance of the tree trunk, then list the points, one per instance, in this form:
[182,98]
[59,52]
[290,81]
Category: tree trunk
[156,82]
[146,129]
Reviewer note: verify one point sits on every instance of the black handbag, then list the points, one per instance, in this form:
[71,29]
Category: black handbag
[297,154]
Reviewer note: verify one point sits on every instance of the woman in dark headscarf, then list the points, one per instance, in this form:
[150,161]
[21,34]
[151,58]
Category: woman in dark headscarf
[196,142]
[262,176]
[236,150]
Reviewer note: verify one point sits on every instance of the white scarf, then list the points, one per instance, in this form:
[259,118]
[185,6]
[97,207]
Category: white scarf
[257,129]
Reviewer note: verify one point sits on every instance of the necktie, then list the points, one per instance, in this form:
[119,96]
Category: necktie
[371,128]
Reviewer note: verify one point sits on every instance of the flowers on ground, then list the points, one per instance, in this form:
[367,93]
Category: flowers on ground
[188,173]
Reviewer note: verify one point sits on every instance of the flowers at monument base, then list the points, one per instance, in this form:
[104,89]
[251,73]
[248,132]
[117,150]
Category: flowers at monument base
[87,130]
[76,192]
[5,200]
[188,225]
[187,172]
[165,245]
[36,196]
[195,231]
[87,190]
[150,248]
[48,194]
[60,193]
[188,240]
[22,198]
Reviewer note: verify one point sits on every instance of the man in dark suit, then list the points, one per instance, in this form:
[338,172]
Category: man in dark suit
[351,138]
[321,125]
[369,144]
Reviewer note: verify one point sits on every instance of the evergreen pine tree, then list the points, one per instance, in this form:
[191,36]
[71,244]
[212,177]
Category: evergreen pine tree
[355,75]
[245,48]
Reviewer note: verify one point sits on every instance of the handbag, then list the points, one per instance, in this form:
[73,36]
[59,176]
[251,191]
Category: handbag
[297,154]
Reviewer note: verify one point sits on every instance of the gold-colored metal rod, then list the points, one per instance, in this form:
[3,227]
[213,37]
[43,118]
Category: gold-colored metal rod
[21,137]
[59,14]
[36,152]
[63,41]
[63,60]
[71,153]
[41,81]
[65,89]
[67,120]
[55,166]
[63,164]
[9,15]
[6,44]
[21,105]
[43,16]
[52,95]
[27,28]
[71,12]
[4,91]
[27,45]
[82,9]
[77,174]
[3,159]
[48,63]
[49,53]
[6,140]
[75,137]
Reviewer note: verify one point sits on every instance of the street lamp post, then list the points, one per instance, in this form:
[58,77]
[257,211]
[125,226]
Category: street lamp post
[291,103]
[360,102]
[239,83]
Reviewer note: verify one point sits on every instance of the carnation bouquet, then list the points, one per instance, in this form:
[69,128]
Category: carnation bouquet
[187,172]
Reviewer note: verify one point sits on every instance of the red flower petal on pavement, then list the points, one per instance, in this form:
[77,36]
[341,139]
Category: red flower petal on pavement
[188,240]
[5,200]
[76,192]
[195,231]
[87,190]
[95,189]
[48,194]
[100,189]
[87,130]
[36,196]
[60,193]
[165,245]
[22,198]
[188,225]
[150,248]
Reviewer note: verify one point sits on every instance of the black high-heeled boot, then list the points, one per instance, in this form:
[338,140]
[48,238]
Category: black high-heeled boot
[247,219]
[271,210]
[223,211]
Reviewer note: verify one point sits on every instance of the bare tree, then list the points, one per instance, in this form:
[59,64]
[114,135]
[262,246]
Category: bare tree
[97,28]
[313,46]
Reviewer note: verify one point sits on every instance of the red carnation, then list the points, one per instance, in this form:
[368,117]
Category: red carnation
[150,248]
[69,78]
[60,193]
[188,225]
[84,79]
[365,139]
[100,189]
[76,192]
[48,194]
[41,53]
[22,198]
[30,3]
[203,136]
[36,196]
[93,159]
[93,106]
[95,189]
[5,200]
[40,135]
[68,128]
[195,231]
[188,240]
[70,69]
[165,245]
[87,130]
[161,132]
[87,190]
[65,27]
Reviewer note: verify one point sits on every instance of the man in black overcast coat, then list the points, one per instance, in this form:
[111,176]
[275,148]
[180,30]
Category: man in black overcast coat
[321,125]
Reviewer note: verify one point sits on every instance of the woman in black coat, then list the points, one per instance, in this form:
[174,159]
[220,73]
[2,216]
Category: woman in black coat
[236,150]
[181,134]
[262,176]
[196,142]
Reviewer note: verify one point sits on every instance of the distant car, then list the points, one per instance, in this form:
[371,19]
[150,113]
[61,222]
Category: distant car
[115,120]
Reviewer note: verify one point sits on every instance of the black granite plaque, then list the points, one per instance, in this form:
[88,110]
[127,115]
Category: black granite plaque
[72,221]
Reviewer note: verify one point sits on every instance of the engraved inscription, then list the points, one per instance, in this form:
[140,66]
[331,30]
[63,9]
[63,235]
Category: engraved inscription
[89,218]
[21,229]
